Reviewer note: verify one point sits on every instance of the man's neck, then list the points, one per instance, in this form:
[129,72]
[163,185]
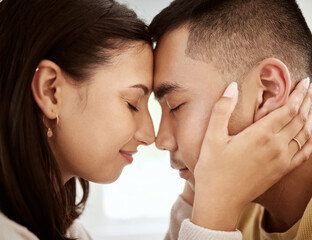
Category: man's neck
[286,201]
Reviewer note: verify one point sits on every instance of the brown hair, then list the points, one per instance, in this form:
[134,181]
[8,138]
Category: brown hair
[234,35]
[78,36]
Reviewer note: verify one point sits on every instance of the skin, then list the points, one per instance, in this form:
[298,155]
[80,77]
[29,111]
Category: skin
[265,88]
[195,78]
[98,130]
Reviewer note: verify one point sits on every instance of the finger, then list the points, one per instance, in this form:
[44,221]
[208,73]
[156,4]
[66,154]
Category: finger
[297,124]
[303,136]
[301,156]
[279,118]
[221,113]
[294,146]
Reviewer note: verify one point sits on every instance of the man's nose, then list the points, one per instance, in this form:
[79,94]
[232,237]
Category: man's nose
[165,139]
[145,133]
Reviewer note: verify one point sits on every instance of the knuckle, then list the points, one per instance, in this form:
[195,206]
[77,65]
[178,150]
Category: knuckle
[278,149]
[306,156]
[293,110]
[303,116]
[264,139]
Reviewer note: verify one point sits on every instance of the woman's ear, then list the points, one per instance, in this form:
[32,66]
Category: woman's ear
[274,79]
[46,88]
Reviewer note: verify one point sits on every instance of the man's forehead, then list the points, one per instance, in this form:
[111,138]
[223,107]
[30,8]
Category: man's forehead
[172,46]
[174,70]
[170,73]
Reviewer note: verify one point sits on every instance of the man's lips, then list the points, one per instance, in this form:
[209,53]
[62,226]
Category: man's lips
[179,165]
[183,172]
[128,155]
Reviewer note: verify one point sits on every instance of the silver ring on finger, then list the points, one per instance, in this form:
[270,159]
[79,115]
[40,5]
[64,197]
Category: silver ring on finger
[299,144]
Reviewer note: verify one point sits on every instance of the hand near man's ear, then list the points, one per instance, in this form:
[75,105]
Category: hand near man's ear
[234,170]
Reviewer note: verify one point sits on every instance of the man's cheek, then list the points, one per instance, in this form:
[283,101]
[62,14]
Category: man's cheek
[190,156]
[190,135]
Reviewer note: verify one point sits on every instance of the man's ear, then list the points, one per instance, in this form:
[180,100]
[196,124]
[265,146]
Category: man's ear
[46,88]
[275,83]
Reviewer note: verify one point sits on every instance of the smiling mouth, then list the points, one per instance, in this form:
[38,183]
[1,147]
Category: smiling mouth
[127,155]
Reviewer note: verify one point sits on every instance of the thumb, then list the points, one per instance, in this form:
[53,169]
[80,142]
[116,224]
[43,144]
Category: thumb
[221,113]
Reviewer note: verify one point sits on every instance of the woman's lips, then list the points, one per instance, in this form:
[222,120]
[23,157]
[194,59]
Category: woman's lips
[127,156]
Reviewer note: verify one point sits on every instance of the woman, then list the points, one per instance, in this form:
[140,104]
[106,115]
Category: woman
[75,79]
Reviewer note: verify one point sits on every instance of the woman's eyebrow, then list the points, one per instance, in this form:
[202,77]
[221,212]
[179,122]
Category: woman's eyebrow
[143,87]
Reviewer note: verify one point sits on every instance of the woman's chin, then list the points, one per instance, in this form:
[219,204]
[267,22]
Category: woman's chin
[106,179]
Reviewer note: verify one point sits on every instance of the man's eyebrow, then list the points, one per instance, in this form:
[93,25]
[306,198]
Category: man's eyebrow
[143,87]
[166,88]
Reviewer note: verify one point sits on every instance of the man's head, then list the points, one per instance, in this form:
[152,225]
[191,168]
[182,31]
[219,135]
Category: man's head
[203,45]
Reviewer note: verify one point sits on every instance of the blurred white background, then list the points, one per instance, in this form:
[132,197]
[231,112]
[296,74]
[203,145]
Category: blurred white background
[137,205]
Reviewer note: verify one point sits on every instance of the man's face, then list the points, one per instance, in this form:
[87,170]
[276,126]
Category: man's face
[187,90]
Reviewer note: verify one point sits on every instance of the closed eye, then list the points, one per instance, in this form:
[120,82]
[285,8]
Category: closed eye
[133,108]
[175,109]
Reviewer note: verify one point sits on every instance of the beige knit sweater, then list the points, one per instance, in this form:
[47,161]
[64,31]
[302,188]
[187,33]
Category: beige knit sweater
[180,228]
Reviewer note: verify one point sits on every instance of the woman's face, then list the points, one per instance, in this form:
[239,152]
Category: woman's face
[103,122]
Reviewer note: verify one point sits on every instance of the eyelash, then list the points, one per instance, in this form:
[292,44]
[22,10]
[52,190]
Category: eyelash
[175,109]
[132,108]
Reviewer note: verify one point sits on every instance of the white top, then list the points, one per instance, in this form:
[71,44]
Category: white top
[181,228]
[10,230]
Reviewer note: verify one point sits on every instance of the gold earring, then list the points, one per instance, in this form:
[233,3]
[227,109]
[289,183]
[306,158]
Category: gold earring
[49,133]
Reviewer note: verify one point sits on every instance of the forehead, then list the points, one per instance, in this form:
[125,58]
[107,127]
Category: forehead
[170,56]
[133,66]
[174,66]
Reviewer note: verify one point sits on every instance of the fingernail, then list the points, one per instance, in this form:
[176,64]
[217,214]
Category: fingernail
[231,90]
[306,82]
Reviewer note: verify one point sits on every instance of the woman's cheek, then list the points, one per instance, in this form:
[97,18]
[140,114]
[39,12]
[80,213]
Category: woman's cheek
[126,127]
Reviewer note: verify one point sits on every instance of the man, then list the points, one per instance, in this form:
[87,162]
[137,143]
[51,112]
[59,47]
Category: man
[263,45]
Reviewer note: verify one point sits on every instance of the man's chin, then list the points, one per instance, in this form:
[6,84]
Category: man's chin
[188,176]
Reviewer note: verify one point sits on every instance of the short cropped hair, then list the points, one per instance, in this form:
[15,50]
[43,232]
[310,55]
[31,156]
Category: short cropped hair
[235,35]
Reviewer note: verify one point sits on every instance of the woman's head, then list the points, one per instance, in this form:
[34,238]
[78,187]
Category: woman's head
[102,120]
[94,60]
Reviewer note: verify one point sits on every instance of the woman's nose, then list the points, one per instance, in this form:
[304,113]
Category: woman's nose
[145,134]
